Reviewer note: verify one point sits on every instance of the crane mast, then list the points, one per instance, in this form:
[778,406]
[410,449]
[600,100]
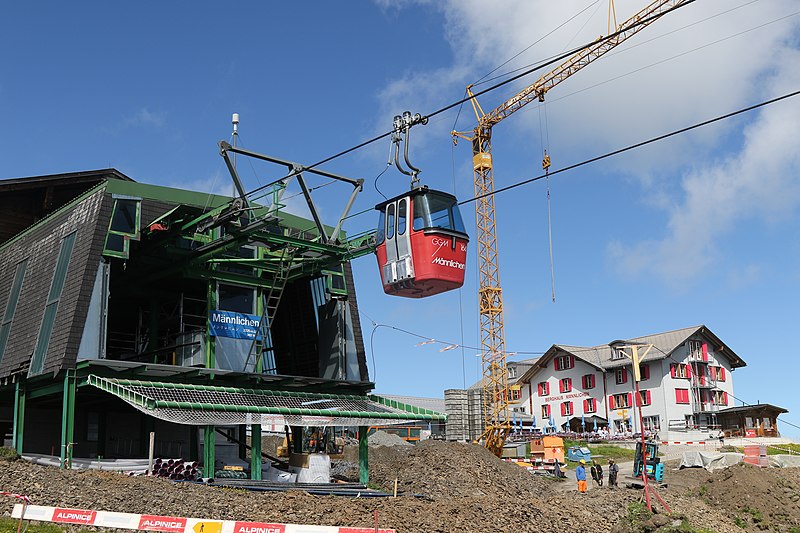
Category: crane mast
[497,425]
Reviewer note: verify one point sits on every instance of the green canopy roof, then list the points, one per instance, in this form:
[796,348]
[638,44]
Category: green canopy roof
[211,405]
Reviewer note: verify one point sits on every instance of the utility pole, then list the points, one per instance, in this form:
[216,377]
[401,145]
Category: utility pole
[636,371]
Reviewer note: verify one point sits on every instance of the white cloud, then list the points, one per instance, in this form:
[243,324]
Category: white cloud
[758,182]
[146,117]
[704,60]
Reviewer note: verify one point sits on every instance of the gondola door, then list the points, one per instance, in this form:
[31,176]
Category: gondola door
[398,264]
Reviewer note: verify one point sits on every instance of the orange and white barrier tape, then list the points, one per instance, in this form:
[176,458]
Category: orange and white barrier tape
[170,524]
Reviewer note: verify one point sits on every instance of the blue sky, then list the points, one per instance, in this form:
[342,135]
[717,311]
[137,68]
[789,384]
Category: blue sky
[698,229]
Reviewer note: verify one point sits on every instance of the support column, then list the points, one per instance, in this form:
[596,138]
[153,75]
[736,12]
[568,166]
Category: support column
[255,451]
[209,459]
[68,419]
[363,455]
[19,416]
[297,439]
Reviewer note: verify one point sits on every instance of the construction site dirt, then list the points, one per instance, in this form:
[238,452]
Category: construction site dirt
[444,487]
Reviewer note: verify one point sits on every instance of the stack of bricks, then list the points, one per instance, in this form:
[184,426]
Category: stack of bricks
[756,455]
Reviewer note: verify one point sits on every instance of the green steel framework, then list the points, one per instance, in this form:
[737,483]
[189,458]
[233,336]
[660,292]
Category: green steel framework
[315,253]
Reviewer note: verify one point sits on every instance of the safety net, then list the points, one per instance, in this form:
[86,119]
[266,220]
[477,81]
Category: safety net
[183,403]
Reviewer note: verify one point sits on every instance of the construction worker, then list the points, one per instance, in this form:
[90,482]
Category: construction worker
[613,470]
[580,475]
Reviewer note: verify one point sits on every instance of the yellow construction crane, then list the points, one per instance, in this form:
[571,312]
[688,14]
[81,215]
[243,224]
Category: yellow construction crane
[497,425]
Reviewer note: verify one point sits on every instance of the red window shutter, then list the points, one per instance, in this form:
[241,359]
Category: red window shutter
[611,402]
[569,384]
[624,375]
[555,363]
[705,351]
[673,370]
[645,371]
[571,361]
[689,371]
[571,408]
[630,399]
[647,397]
[563,409]
[724,398]
[721,374]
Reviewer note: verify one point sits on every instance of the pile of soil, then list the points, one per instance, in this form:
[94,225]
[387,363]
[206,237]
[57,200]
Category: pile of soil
[465,488]
[764,499]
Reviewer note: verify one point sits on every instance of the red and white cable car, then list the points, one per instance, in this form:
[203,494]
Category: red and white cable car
[421,243]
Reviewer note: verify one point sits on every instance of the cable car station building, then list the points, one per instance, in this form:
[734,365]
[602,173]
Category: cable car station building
[128,308]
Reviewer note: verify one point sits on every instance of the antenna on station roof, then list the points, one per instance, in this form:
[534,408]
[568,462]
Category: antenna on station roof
[235,135]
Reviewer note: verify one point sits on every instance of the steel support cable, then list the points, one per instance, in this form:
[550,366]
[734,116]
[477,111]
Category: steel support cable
[633,146]
[439,111]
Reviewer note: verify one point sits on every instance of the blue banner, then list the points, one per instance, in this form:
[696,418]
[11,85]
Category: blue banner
[233,325]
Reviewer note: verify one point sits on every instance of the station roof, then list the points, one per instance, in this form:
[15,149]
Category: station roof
[214,405]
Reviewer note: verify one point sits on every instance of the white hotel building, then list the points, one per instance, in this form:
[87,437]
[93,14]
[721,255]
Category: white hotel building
[686,379]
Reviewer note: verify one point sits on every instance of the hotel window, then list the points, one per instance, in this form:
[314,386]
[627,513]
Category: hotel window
[720,397]
[651,423]
[590,405]
[565,384]
[564,362]
[644,395]
[617,354]
[546,411]
[566,408]
[620,401]
[516,393]
[622,376]
[544,388]
[588,381]
[695,350]
[717,373]
[644,371]
[677,370]
[681,395]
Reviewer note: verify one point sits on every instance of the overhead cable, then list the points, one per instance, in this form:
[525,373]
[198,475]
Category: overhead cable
[631,147]
[439,111]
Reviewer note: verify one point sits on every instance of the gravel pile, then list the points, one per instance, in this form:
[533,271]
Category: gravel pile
[381,438]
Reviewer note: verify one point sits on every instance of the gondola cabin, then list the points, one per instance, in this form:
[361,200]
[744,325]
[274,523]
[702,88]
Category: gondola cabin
[426,256]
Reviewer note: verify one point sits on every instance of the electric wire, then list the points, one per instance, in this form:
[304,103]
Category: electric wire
[483,79]
[671,58]
[448,107]
[640,43]
[632,146]
[430,340]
